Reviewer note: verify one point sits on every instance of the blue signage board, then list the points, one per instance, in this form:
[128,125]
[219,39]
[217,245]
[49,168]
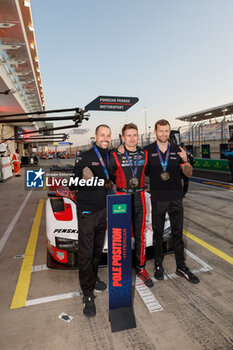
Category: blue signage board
[64,143]
[119,262]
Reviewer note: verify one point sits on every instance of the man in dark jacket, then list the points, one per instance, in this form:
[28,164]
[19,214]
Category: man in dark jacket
[164,162]
[92,166]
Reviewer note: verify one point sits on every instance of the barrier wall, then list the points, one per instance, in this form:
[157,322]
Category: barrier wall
[211,164]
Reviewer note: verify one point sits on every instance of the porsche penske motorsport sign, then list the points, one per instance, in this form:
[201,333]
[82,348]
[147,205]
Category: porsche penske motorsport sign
[111,103]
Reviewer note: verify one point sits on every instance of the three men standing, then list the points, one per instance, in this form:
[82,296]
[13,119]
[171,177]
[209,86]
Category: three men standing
[162,161]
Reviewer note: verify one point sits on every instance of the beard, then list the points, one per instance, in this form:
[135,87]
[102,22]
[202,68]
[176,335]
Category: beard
[162,140]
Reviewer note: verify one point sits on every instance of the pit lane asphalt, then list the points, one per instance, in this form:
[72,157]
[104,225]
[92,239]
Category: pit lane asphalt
[192,316]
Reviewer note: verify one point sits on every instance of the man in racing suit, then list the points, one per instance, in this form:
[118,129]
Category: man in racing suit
[129,170]
[91,210]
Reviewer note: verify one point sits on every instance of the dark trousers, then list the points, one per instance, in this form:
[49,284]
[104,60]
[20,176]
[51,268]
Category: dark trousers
[175,212]
[92,228]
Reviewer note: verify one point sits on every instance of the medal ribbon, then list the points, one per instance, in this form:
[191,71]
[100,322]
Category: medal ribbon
[134,171]
[163,163]
[102,162]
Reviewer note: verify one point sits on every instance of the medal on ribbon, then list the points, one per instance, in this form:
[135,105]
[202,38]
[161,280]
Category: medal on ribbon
[108,183]
[165,175]
[133,182]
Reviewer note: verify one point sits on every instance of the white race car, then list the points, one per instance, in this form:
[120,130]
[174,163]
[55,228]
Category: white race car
[62,230]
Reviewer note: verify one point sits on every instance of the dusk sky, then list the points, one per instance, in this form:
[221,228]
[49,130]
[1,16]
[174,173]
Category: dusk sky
[176,56]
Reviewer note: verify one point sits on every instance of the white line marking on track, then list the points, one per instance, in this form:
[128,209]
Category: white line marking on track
[145,293]
[19,256]
[198,260]
[53,298]
[37,268]
[147,296]
[13,222]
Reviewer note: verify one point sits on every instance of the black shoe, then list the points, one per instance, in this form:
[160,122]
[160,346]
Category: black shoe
[144,275]
[186,273]
[89,306]
[158,272]
[100,285]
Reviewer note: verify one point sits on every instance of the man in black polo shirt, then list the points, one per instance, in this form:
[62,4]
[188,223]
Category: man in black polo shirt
[91,209]
[164,162]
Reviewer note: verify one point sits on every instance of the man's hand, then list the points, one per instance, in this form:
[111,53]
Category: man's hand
[87,173]
[183,155]
[121,149]
[186,167]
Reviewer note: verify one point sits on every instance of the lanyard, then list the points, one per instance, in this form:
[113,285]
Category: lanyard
[102,162]
[134,171]
[163,163]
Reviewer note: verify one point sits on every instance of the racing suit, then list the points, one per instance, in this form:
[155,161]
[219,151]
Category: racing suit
[120,168]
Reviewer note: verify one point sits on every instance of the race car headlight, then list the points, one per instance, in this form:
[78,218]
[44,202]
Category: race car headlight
[64,243]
